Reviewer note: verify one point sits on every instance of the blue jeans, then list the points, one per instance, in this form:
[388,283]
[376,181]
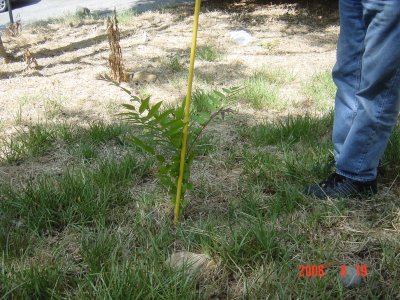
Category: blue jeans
[367,76]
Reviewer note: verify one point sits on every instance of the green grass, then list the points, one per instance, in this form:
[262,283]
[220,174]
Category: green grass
[291,129]
[35,141]
[391,158]
[67,20]
[81,197]
[112,107]
[270,46]
[100,132]
[284,166]
[321,90]
[209,53]
[87,151]
[261,89]
[22,101]
[41,139]
[18,117]
[173,64]
[77,18]
[70,18]
[274,76]
[126,16]
[53,108]
[103,228]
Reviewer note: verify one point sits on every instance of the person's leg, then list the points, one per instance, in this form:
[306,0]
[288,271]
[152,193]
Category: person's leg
[363,126]
[378,96]
[347,70]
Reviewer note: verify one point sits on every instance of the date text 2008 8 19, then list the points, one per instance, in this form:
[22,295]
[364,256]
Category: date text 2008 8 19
[319,270]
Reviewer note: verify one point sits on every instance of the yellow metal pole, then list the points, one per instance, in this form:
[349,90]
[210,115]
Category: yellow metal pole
[187,112]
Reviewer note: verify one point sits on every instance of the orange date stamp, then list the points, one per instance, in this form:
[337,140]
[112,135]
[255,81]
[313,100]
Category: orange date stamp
[318,271]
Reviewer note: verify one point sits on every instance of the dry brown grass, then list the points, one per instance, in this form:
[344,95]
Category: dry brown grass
[30,60]
[14,29]
[3,53]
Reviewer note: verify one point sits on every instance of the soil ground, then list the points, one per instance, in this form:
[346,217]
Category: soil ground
[71,56]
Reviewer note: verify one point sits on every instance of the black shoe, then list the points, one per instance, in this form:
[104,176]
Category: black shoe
[338,186]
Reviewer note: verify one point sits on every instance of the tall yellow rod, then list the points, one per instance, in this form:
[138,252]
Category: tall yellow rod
[187,112]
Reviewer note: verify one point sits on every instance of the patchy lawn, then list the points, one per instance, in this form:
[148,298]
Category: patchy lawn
[83,214]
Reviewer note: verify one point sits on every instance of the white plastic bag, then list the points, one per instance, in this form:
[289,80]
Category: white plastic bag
[241,37]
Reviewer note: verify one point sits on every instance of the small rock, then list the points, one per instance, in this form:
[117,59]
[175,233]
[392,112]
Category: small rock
[143,76]
[193,261]
[351,280]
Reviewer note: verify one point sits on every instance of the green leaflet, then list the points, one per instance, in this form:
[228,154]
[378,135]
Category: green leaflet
[210,107]
[219,94]
[143,145]
[154,110]
[145,105]
[129,106]
[201,118]
[215,101]
[172,124]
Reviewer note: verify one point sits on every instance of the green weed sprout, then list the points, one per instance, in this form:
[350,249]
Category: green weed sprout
[159,132]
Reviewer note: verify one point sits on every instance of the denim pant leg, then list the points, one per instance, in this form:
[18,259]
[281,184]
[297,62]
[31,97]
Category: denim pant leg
[379,95]
[347,70]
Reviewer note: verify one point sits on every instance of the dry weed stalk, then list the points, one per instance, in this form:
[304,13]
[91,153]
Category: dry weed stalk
[30,60]
[14,29]
[115,58]
[3,53]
